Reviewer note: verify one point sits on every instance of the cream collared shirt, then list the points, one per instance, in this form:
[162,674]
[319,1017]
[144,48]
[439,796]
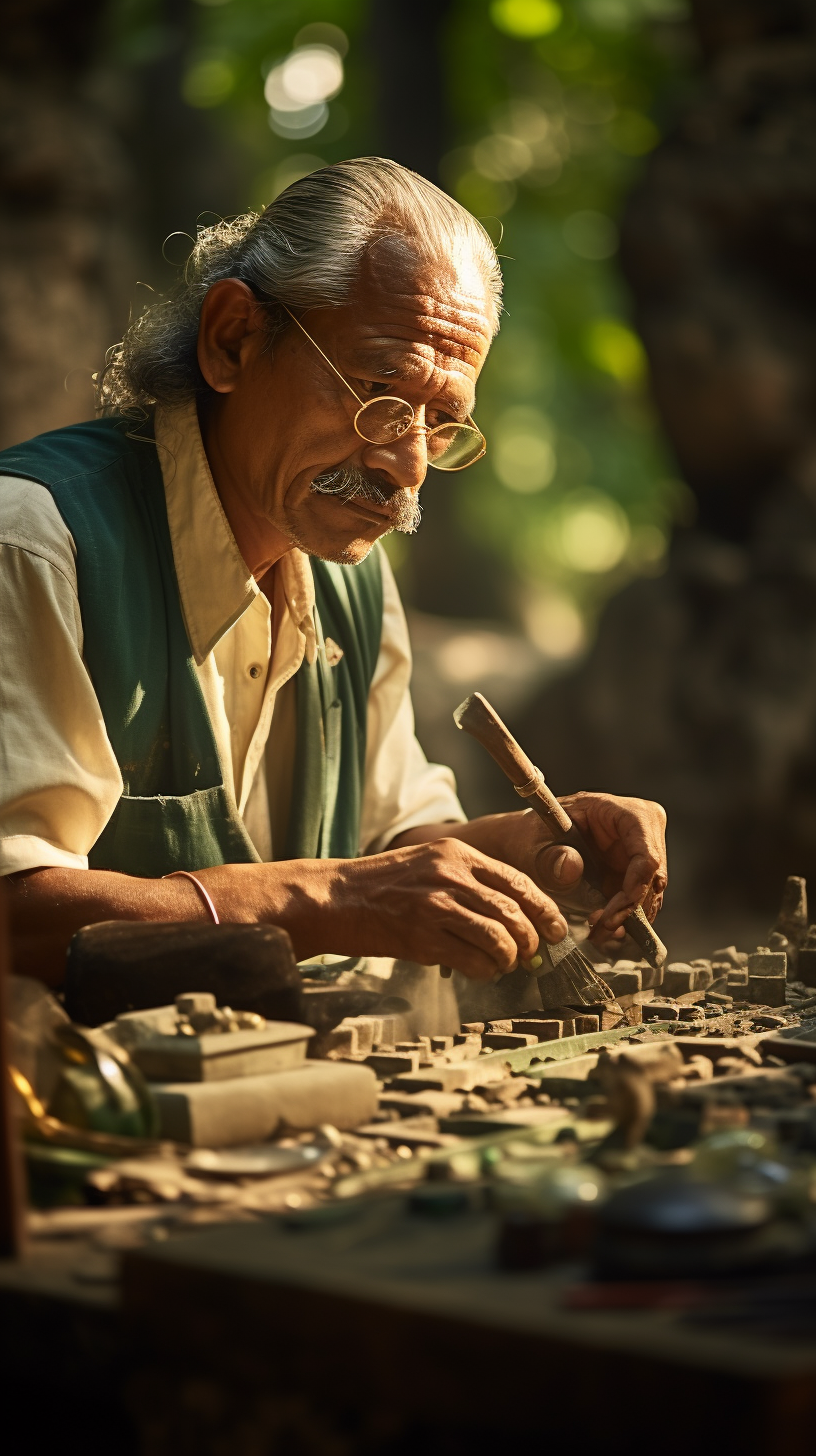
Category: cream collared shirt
[59,779]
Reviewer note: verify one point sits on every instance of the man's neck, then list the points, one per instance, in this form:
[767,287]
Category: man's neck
[259,542]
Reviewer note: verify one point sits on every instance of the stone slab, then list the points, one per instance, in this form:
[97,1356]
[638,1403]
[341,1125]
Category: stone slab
[251,1109]
[391,1064]
[213,1057]
[498,1041]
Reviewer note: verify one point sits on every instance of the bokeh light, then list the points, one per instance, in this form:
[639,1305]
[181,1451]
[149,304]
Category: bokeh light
[298,89]
[615,349]
[525,459]
[209,81]
[592,534]
[526,19]
[554,625]
[591,235]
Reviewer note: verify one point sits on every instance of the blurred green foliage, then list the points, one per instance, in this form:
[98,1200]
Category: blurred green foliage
[553,107]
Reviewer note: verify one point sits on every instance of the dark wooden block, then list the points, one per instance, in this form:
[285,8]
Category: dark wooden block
[123,965]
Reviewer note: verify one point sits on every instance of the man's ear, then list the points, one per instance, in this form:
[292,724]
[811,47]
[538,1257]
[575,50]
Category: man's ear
[228,330]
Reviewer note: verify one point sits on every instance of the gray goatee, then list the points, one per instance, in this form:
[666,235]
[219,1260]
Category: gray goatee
[349,483]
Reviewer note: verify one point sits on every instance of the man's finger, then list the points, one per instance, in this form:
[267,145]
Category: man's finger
[489,937]
[484,901]
[543,913]
[463,955]
[643,875]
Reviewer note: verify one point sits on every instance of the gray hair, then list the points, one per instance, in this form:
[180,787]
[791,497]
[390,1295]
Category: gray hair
[304,250]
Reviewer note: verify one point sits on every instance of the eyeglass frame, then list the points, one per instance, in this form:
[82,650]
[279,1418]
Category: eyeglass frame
[364,404]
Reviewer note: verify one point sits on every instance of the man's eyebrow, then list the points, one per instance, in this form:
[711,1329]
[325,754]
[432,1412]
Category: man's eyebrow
[386,366]
[380,363]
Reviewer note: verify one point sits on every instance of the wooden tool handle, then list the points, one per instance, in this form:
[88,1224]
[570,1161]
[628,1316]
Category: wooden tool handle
[644,935]
[476,717]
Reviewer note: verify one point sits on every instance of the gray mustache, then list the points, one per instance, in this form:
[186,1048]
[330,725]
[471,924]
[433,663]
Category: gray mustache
[349,483]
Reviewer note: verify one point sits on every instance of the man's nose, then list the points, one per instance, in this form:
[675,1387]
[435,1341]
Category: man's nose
[404,461]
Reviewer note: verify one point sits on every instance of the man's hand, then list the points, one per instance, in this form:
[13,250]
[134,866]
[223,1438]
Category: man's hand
[445,901]
[630,837]
[628,834]
[437,901]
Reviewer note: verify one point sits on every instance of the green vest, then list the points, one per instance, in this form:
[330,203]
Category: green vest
[175,811]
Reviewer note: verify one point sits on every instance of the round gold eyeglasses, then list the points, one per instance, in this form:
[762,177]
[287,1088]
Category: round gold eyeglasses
[385,419]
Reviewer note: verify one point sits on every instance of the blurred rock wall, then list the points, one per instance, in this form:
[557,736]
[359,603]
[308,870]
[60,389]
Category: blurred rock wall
[701,688]
[66,257]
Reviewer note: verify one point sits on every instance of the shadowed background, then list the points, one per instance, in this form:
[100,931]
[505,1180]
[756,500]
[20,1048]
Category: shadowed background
[630,574]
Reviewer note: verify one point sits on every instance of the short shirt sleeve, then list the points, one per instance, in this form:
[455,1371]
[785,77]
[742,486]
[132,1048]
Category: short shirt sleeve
[59,779]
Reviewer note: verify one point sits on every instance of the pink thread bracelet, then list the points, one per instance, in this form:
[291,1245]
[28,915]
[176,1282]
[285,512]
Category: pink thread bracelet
[185,874]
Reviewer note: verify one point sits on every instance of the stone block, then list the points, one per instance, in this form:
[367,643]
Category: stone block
[660,1011]
[766,990]
[391,1064]
[409,1104]
[466,1050]
[806,961]
[610,1015]
[441,1044]
[678,979]
[765,962]
[624,982]
[586,1025]
[691,1013]
[195,1002]
[703,974]
[207,1056]
[729,955]
[543,1029]
[505,1041]
[449,1077]
[341,1041]
[650,976]
[370,1031]
[252,1109]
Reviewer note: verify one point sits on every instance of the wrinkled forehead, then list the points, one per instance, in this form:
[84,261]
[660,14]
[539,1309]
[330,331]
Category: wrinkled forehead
[441,306]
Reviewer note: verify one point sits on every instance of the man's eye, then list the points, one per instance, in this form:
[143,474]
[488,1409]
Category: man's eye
[372,387]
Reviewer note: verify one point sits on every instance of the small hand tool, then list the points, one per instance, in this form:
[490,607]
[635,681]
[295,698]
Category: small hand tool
[476,717]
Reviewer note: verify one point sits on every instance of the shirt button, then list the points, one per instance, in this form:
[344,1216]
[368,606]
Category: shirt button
[255,670]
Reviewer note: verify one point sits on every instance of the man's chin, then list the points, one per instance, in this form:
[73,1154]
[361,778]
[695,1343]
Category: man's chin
[350,555]
[341,545]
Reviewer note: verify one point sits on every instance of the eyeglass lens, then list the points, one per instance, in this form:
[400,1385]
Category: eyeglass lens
[383,420]
[450,447]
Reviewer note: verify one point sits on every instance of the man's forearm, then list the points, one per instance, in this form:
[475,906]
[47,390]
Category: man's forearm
[49,905]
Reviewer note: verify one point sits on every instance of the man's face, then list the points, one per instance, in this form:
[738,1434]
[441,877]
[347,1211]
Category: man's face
[286,427]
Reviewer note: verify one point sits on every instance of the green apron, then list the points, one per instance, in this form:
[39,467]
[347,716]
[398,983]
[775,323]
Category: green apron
[175,811]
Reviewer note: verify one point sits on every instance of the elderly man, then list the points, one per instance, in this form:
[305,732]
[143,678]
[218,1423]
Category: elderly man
[205,666]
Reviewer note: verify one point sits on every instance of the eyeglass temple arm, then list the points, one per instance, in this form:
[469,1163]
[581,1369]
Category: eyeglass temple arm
[324,356]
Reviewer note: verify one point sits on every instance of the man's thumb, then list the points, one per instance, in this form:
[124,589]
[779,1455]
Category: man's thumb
[558,868]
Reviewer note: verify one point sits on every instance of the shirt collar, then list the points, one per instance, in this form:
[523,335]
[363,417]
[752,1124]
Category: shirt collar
[215,584]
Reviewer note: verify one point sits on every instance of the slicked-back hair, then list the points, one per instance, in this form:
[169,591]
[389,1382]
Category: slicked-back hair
[304,250]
